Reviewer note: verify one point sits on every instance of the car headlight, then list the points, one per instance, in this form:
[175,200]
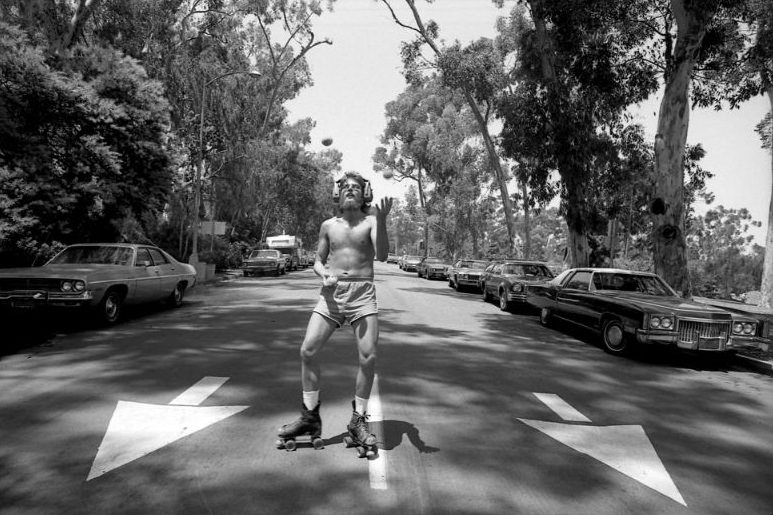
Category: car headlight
[66,286]
[661,322]
[744,328]
[79,285]
[518,287]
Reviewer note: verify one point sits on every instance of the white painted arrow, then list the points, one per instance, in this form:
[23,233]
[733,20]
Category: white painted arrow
[626,449]
[137,429]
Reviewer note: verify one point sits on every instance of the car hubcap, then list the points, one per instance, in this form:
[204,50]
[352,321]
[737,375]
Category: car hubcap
[502,301]
[178,294]
[111,307]
[614,336]
[544,315]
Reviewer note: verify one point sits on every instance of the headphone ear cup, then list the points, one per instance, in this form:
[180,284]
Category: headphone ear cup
[367,195]
[336,191]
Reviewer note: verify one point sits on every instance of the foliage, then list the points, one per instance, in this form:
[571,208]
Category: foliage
[81,144]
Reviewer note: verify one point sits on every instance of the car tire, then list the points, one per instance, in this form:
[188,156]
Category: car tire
[111,307]
[456,286]
[545,316]
[177,295]
[504,304]
[484,292]
[614,337]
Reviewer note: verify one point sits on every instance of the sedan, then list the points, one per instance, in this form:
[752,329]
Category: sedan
[431,267]
[465,273]
[266,260]
[629,307]
[100,277]
[410,263]
[508,280]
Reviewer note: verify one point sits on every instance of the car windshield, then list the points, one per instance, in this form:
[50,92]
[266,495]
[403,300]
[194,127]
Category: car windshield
[94,255]
[534,270]
[434,260]
[649,284]
[413,258]
[477,265]
[257,254]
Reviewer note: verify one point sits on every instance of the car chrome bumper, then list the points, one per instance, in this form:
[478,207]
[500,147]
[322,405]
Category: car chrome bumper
[40,299]
[710,344]
[519,297]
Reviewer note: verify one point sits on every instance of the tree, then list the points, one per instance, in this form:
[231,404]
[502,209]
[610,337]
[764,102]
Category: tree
[576,75]
[473,71]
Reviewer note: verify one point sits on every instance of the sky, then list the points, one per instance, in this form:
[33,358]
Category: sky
[356,76]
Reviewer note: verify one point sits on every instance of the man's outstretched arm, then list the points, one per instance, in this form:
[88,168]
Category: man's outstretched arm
[382,237]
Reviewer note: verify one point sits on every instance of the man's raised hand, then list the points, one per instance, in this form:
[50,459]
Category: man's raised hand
[384,207]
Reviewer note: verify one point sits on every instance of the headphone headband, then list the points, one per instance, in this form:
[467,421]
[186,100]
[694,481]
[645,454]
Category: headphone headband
[367,191]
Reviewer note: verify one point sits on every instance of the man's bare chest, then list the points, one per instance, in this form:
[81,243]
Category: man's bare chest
[343,234]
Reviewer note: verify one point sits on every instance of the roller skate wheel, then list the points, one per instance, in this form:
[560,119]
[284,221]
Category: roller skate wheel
[370,453]
[280,444]
[290,445]
[360,451]
[318,443]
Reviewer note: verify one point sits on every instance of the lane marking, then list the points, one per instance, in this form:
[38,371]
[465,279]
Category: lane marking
[377,467]
[198,393]
[137,429]
[561,408]
[625,448]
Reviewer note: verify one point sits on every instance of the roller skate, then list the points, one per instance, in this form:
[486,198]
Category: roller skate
[308,425]
[359,435]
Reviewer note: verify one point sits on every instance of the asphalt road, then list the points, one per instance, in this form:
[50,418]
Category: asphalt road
[477,411]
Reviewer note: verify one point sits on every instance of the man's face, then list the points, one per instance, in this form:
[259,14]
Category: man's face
[351,194]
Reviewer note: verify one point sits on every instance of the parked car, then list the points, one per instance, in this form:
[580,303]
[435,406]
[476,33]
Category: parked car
[508,280]
[100,277]
[391,258]
[410,263]
[629,307]
[265,261]
[431,267]
[763,336]
[465,273]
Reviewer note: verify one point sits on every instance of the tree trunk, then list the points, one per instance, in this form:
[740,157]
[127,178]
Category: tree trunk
[579,250]
[526,222]
[612,240]
[670,249]
[766,289]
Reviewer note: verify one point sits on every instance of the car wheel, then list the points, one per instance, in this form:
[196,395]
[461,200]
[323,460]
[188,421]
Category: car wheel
[484,292]
[111,307]
[615,339]
[176,297]
[545,316]
[504,305]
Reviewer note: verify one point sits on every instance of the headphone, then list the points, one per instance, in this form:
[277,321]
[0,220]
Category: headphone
[367,192]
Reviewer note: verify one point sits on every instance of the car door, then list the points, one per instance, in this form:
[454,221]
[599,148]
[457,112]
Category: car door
[166,270]
[147,279]
[571,298]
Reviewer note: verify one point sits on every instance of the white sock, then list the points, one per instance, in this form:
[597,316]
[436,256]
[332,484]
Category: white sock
[360,405]
[311,399]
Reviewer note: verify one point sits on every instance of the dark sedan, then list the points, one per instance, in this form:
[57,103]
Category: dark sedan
[507,281]
[629,307]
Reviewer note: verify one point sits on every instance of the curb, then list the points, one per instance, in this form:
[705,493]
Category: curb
[757,365]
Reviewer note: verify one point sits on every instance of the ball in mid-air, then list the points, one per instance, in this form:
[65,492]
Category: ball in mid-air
[388,174]
[327,141]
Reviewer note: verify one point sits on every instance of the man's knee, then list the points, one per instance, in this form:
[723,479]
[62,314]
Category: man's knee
[308,353]
[368,359]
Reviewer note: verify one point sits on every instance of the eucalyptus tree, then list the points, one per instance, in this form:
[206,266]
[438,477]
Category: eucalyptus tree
[575,77]
[475,71]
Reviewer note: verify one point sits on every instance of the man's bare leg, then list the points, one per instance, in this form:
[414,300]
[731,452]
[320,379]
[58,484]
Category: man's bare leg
[366,333]
[318,332]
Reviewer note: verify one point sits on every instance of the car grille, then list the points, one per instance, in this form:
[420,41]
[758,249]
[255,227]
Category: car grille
[469,276]
[692,332]
[25,284]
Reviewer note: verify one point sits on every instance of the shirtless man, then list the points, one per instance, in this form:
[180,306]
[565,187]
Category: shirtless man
[347,246]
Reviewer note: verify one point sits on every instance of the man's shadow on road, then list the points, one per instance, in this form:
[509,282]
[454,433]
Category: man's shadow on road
[393,432]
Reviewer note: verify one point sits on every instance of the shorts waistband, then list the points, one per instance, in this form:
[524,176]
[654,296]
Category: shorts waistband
[351,279]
